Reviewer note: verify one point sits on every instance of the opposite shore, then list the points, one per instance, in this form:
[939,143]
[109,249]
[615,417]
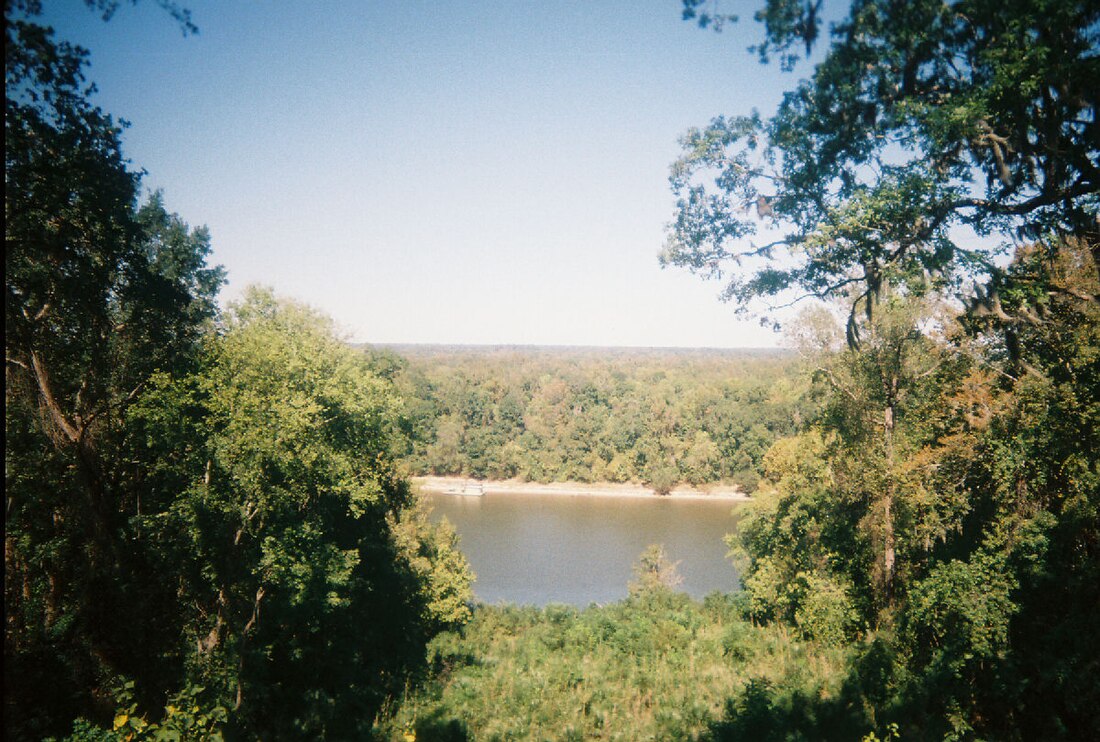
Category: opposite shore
[443,485]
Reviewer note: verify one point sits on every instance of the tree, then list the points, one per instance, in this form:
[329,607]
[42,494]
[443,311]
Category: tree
[309,580]
[924,121]
[188,502]
[953,497]
[654,572]
[98,295]
[875,402]
[921,119]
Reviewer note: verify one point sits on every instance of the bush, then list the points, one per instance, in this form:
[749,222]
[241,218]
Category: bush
[826,613]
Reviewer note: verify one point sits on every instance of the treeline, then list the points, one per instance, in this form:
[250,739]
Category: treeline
[662,417]
[206,534]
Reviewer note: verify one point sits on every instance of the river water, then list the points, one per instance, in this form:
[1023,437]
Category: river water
[538,548]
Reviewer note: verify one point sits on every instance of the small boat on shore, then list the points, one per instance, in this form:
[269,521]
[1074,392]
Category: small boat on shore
[466,489]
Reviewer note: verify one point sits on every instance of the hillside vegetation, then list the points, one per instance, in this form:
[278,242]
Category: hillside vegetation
[657,416]
[655,666]
[933,579]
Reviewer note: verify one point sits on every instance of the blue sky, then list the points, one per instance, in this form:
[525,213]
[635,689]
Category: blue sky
[436,171]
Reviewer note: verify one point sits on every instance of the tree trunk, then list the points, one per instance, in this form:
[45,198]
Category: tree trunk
[888,555]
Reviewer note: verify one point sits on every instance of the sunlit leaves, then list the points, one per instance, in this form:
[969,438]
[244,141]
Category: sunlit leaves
[650,416]
[923,121]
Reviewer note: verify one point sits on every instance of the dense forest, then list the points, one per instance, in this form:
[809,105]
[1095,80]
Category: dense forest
[207,530]
[658,416]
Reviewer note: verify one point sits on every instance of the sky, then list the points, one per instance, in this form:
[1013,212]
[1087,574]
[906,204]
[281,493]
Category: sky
[436,172]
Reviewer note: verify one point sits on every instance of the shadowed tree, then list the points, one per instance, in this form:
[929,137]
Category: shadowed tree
[929,140]
[98,295]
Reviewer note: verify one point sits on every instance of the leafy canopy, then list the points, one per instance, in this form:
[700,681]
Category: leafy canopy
[929,135]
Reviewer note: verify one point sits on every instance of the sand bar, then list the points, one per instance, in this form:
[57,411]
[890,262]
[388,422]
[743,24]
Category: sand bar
[441,485]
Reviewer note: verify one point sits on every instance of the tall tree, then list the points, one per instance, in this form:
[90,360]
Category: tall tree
[930,139]
[307,579]
[98,295]
[923,123]
[186,501]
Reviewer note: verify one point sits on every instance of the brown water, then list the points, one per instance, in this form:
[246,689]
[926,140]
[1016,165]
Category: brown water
[539,549]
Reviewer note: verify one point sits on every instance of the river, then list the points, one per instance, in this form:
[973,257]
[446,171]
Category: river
[538,549]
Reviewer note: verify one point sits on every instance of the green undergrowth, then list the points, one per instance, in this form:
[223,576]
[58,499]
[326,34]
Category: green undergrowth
[657,666]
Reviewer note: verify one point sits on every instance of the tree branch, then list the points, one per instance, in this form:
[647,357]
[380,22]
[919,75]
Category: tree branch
[44,388]
[1026,207]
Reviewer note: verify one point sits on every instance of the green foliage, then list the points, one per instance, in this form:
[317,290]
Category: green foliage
[654,573]
[658,417]
[656,666]
[271,506]
[191,501]
[951,500]
[301,548]
[994,523]
[989,641]
[432,554]
[186,718]
[946,496]
[791,540]
[100,294]
[963,610]
[825,612]
[922,123]
[217,507]
[889,735]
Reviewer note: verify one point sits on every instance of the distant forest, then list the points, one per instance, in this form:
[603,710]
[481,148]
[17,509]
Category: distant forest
[662,417]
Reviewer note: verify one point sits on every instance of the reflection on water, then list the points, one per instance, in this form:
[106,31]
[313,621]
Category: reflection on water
[539,549]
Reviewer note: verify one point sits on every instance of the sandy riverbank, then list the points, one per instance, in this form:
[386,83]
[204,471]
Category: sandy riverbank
[576,489]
